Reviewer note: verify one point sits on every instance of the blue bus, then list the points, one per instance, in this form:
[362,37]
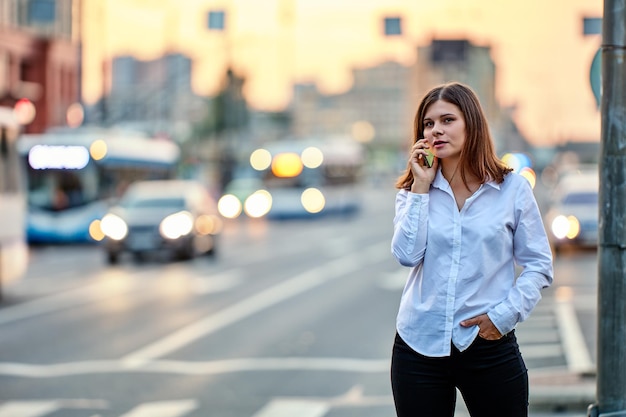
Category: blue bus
[73,176]
[298,178]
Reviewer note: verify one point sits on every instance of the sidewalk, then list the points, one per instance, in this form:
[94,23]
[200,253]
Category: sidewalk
[561,391]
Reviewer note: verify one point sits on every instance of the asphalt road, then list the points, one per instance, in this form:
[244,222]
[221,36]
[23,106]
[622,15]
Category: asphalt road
[293,318]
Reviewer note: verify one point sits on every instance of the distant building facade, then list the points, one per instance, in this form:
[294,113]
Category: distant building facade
[152,95]
[387,96]
[381,96]
[39,58]
[459,60]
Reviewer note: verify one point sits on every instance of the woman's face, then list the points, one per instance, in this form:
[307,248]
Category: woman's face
[444,128]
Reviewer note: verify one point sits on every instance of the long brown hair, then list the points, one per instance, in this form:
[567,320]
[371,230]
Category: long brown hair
[483,164]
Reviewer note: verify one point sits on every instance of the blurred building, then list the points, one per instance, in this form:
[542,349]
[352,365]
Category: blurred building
[40,58]
[386,97]
[380,97]
[460,60]
[154,96]
[377,110]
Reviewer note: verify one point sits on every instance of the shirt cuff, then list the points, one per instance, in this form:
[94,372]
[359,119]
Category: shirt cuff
[503,318]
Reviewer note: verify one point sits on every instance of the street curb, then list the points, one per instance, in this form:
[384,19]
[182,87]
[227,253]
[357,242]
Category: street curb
[562,398]
[562,391]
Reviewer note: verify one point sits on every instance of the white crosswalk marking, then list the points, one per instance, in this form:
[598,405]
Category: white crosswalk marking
[291,408]
[541,350]
[538,337]
[178,408]
[163,409]
[28,408]
[578,357]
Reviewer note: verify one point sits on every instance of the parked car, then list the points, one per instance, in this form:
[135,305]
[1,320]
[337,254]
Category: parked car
[175,216]
[572,218]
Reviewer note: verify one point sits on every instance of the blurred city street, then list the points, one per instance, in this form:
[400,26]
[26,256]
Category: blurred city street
[255,278]
[292,318]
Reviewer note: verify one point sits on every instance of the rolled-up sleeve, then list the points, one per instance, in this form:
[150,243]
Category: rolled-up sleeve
[410,224]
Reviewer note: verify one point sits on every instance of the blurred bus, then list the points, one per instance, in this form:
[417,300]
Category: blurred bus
[13,246]
[72,177]
[298,178]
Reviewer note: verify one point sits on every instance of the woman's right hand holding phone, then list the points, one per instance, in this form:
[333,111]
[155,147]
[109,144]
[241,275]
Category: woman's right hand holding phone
[423,175]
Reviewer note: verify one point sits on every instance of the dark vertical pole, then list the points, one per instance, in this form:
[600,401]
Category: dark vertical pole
[611,377]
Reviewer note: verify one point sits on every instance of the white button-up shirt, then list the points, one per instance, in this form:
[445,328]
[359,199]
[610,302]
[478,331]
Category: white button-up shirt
[463,263]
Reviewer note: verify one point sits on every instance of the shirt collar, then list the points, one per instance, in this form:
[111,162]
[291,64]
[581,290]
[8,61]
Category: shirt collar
[442,183]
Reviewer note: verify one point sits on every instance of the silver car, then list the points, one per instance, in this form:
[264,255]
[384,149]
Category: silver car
[176,216]
[572,219]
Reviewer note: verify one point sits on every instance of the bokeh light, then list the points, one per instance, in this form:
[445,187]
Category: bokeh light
[313,200]
[98,149]
[287,165]
[95,231]
[114,227]
[312,157]
[363,131]
[75,115]
[258,204]
[530,175]
[24,111]
[229,206]
[517,161]
[565,227]
[176,225]
[260,159]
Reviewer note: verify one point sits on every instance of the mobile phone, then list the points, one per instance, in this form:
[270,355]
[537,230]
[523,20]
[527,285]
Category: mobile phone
[430,158]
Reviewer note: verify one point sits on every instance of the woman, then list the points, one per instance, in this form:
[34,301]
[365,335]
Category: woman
[463,225]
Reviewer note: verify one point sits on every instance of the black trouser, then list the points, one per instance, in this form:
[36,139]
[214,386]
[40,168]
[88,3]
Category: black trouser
[490,374]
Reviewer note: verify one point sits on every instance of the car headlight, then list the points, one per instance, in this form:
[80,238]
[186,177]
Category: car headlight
[258,204]
[229,206]
[176,225]
[313,200]
[565,227]
[114,227]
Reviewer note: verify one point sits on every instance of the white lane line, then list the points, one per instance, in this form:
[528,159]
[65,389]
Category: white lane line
[319,406]
[576,352]
[163,409]
[258,302]
[27,408]
[196,368]
[292,408]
